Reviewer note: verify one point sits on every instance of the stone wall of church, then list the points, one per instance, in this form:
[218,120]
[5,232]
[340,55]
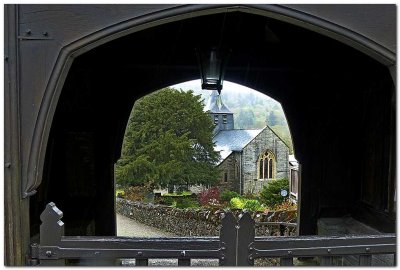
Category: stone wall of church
[266,140]
[230,166]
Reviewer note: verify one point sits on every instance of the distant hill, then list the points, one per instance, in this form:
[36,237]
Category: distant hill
[252,109]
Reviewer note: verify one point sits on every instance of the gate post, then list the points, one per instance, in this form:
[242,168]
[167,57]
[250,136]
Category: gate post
[51,231]
[246,235]
[227,236]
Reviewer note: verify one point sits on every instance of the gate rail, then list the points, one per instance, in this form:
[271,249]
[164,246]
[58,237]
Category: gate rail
[54,247]
[236,245]
[325,247]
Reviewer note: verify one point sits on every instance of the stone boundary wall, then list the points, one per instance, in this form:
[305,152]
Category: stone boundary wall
[195,222]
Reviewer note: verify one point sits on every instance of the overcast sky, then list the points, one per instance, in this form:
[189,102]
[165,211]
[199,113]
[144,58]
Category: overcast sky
[228,87]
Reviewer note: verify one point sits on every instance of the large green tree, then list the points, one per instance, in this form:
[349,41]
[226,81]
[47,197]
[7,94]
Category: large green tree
[168,141]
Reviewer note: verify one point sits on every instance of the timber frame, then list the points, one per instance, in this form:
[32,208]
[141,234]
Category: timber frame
[41,57]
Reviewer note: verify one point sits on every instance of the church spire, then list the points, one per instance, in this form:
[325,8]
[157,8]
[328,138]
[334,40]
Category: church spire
[220,114]
[215,104]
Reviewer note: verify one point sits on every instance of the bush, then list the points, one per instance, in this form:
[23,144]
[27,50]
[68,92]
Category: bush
[242,203]
[167,200]
[209,196]
[237,203]
[187,203]
[136,193]
[120,193]
[227,195]
[184,193]
[271,194]
[252,205]
[250,196]
[287,205]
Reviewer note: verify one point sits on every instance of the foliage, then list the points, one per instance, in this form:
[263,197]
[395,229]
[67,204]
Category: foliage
[243,203]
[184,193]
[167,200]
[168,141]
[120,193]
[237,203]
[245,118]
[209,196]
[252,205]
[136,193]
[227,195]
[250,196]
[184,203]
[286,205]
[271,194]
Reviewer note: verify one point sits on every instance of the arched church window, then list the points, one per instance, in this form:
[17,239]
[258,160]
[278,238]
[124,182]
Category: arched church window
[266,165]
[270,168]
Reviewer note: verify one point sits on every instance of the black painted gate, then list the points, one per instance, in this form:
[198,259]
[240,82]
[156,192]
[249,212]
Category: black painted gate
[237,245]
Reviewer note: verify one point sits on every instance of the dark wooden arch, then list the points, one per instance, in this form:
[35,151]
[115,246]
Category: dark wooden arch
[25,148]
[79,47]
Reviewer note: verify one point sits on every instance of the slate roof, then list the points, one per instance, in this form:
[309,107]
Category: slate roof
[215,104]
[228,141]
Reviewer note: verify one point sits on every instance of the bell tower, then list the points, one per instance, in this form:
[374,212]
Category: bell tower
[220,114]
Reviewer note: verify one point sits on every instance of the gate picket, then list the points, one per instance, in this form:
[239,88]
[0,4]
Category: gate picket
[51,231]
[228,236]
[246,235]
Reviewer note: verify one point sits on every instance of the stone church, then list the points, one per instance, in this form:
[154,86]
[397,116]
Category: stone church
[249,157]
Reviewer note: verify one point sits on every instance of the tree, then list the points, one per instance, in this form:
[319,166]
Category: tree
[168,141]
[245,118]
[271,193]
[272,118]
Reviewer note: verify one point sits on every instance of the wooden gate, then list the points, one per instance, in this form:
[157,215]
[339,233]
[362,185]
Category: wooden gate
[236,245]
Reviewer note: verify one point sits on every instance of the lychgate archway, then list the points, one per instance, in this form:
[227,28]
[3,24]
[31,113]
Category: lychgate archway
[333,77]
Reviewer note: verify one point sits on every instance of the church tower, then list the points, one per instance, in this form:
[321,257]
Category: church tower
[220,114]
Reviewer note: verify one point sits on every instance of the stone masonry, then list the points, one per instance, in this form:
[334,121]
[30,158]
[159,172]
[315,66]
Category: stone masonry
[266,140]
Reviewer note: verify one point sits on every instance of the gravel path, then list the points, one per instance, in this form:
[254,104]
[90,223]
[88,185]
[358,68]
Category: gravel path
[129,227]
[132,228]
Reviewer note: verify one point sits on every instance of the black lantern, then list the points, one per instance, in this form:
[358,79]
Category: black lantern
[212,64]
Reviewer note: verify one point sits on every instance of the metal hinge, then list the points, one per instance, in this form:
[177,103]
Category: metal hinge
[33,258]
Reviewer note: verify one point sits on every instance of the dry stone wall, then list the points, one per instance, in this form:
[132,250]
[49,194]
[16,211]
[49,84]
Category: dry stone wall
[195,222]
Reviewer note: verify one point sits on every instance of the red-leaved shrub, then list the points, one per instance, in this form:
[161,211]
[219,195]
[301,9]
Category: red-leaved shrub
[209,196]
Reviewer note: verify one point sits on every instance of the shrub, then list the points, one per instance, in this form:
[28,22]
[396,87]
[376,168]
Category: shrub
[187,203]
[237,203]
[286,205]
[252,205]
[136,193]
[120,193]
[167,200]
[250,196]
[227,195]
[184,193]
[209,196]
[271,194]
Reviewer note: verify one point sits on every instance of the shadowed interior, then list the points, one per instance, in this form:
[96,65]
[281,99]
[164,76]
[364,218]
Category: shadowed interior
[339,103]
